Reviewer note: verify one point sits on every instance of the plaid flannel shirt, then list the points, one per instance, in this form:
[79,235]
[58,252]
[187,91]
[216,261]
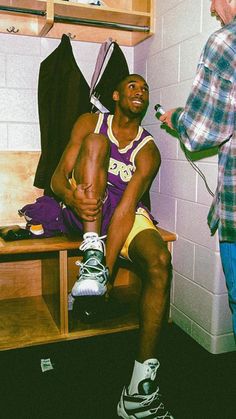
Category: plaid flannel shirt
[208,120]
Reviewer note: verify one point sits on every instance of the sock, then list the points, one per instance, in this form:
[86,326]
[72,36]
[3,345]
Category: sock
[93,244]
[144,374]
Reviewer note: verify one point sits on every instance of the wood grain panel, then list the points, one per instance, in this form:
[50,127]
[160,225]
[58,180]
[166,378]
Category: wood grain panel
[142,6]
[24,322]
[121,4]
[51,285]
[20,279]
[17,170]
[38,245]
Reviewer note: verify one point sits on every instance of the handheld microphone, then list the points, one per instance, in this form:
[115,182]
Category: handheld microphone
[159,110]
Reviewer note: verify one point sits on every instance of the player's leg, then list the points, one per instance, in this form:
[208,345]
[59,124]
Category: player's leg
[150,255]
[91,168]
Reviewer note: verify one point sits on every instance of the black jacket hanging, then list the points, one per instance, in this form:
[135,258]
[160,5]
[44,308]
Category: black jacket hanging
[63,95]
[115,70]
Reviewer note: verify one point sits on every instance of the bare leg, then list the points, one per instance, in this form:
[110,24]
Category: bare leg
[153,260]
[91,168]
[151,256]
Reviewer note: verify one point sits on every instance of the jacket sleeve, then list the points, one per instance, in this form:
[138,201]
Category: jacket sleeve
[207,120]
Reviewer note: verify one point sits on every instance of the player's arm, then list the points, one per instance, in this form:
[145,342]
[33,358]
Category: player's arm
[60,184]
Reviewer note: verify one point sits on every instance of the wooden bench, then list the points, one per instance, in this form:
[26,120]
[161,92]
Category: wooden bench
[37,274]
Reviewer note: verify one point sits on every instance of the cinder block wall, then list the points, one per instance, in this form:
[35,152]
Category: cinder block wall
[179,197]
[20,58]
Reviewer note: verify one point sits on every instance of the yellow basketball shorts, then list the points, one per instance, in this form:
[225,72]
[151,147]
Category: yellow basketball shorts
[142,222]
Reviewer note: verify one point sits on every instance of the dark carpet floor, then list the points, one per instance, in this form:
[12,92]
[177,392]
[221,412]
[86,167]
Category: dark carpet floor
[88,376]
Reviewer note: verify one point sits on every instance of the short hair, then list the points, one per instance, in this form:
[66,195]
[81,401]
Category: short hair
[121,81]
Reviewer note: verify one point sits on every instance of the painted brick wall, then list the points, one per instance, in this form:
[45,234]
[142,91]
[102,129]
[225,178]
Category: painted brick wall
[20,58]
[179,198]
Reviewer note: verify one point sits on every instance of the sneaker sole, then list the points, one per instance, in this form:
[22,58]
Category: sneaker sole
[88,287]
[122,414]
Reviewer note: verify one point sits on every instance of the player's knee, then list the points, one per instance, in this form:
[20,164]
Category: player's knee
[165,258]
[96,146]
[160,268]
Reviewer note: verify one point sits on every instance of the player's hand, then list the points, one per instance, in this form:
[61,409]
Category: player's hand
[85,207]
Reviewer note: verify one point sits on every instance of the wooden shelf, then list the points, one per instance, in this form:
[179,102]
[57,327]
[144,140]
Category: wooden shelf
[26,322]
[34,282]
[120,314]
[38,245]
[35,276]
[25,17]
[31,304]
[127,22]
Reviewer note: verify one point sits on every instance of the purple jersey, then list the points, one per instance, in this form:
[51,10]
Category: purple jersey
[120,172]
[122,161]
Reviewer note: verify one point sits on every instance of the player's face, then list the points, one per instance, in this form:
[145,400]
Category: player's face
[133,95]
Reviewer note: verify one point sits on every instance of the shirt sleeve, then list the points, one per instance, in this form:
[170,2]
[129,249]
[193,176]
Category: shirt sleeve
[207,120]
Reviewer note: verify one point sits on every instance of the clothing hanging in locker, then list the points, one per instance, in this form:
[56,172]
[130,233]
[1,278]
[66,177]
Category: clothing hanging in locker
[102,60]
[106,77]
[64,95]
[103,55]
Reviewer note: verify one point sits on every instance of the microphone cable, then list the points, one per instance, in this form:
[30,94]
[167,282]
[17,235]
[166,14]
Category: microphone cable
[160,111]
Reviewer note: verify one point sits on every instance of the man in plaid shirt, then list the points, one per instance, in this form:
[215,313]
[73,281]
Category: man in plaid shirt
[208,120]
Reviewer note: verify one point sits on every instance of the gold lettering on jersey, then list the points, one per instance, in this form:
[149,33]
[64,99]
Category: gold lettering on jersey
[121,169]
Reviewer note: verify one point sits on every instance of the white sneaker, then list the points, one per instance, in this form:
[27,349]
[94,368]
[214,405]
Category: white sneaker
[142,407]
[146,402]
[93,275]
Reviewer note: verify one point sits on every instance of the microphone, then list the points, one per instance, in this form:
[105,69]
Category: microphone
[159,110]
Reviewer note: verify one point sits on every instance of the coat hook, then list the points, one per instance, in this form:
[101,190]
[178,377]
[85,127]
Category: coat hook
[71,36]
[12,29]
[112,40]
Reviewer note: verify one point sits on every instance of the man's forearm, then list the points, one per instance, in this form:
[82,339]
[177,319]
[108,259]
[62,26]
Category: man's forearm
[175,118]
[62,189]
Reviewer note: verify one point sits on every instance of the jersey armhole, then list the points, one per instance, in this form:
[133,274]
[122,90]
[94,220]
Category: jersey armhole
[99,123]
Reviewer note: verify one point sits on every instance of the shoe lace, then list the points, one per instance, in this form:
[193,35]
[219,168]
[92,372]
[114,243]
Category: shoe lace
[155,396]
[150,398]
[165,414]
[97,271]
[93,240]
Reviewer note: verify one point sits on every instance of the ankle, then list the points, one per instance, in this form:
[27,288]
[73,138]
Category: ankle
[91,240]
[143,372]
